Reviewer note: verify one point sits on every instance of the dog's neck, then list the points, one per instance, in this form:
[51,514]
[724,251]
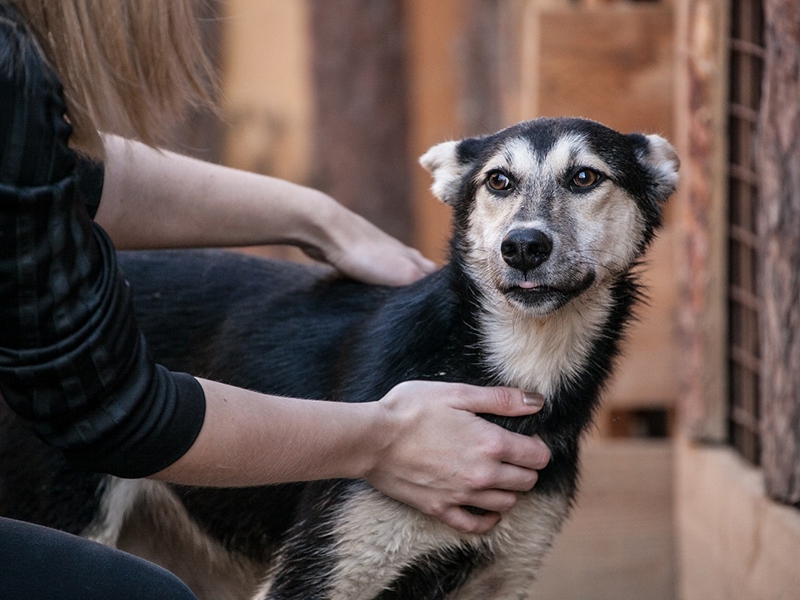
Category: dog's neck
[538,353]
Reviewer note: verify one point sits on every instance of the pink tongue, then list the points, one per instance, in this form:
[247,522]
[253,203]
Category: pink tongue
[527,285]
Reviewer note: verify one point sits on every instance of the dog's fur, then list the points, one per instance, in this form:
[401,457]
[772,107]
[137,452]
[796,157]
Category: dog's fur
[537,294]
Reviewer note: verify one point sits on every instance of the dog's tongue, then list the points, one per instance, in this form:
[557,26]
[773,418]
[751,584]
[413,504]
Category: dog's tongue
[527,285]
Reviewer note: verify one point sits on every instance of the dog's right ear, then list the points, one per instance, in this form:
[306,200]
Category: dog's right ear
[659,157]
[448,162]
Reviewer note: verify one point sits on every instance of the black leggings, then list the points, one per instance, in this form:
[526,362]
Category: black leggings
[37,563]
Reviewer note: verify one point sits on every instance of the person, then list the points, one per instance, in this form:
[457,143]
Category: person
[75,367]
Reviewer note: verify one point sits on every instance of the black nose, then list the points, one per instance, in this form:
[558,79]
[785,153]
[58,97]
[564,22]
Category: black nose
[526,249]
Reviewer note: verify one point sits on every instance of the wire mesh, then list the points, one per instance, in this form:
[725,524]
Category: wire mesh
[746,66]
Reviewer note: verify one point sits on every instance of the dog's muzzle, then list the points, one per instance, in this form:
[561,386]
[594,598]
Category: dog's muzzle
[546,289]
[526,249]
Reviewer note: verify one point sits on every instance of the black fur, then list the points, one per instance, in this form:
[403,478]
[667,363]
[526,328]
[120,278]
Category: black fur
[380,336]
[39,486]
[293,330]
[437,574]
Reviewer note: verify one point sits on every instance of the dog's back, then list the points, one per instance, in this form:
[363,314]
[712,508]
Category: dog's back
[266,325]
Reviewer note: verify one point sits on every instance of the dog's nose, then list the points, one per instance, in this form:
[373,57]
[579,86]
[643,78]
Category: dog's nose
[526,249]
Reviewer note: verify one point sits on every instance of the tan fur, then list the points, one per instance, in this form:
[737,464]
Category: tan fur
[520,541]
[143,517]
[441,159]
[376,537]
[532,353]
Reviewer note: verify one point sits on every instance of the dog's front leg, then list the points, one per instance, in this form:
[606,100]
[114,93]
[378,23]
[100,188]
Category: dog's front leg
[353,543]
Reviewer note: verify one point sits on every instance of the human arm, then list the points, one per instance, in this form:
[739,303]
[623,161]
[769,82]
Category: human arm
[73,364]
[159,199]
[421,444]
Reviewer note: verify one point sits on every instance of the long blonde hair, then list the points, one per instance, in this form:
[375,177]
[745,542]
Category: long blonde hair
[128,66]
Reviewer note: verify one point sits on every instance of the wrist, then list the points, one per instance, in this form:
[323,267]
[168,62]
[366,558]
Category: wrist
[318,218]
[383,429]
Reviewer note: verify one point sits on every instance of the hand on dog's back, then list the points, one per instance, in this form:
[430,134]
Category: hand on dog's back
[444,458]
[361,251]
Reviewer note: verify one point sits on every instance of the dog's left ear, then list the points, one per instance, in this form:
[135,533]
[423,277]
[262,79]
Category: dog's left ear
[659,157]
[448,162]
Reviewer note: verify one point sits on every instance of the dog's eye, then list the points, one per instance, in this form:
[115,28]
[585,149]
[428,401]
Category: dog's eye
[585,178]
[498,181]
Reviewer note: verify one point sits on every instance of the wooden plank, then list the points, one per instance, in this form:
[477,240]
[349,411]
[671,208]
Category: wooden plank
[779,264]
[266,87]
[645,377]
[434,91]
[267,93]
[359,154]
[618,544]
[610,63]
[734,543]
[702,33]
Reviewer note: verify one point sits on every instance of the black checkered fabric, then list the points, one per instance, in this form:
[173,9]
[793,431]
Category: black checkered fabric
[73,363]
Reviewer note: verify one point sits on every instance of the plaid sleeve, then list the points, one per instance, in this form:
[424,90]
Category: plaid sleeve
[73,363]
[91,175]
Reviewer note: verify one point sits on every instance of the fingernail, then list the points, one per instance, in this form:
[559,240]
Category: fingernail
[532,399]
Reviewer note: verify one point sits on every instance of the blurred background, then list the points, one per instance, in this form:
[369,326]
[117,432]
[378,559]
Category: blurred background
[693,467]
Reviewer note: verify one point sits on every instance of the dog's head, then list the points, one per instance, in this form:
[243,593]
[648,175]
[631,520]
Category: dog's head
[549,208]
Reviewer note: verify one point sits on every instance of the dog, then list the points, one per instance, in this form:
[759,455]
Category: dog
[551,219]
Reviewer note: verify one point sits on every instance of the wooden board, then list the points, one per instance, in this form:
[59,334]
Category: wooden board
[735,543]
[618,544]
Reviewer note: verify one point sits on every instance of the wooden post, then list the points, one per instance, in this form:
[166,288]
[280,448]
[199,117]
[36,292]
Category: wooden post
[360,148]
[702,99]
[481,64]
[779,232]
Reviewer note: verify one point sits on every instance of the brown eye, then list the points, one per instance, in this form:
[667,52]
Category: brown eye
[585,178]
[498,181]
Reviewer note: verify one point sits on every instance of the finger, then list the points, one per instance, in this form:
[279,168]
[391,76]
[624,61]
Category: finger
[403,271]
[420,265]
[504,401]
[513,479]
[425,265]
[529,453]
[495,501]
[459,519]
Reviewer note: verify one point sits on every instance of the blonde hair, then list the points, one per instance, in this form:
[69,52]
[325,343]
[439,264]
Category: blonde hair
[128,66]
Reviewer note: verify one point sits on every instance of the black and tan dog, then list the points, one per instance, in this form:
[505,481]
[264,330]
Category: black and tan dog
[550,220]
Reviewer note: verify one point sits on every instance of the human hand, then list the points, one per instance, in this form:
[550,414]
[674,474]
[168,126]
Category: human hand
[362,251]
[443,457]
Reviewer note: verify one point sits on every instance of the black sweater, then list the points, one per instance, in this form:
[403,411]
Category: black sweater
[73,363]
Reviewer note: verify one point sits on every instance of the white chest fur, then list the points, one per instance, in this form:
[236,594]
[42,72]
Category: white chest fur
[535,353]
[518,544]
[375,537]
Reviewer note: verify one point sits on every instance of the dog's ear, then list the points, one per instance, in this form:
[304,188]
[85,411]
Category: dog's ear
[448,162]
[659,158]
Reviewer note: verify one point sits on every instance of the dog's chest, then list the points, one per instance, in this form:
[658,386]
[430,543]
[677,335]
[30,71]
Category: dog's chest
[517,546]
[376,540]
[538,354]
